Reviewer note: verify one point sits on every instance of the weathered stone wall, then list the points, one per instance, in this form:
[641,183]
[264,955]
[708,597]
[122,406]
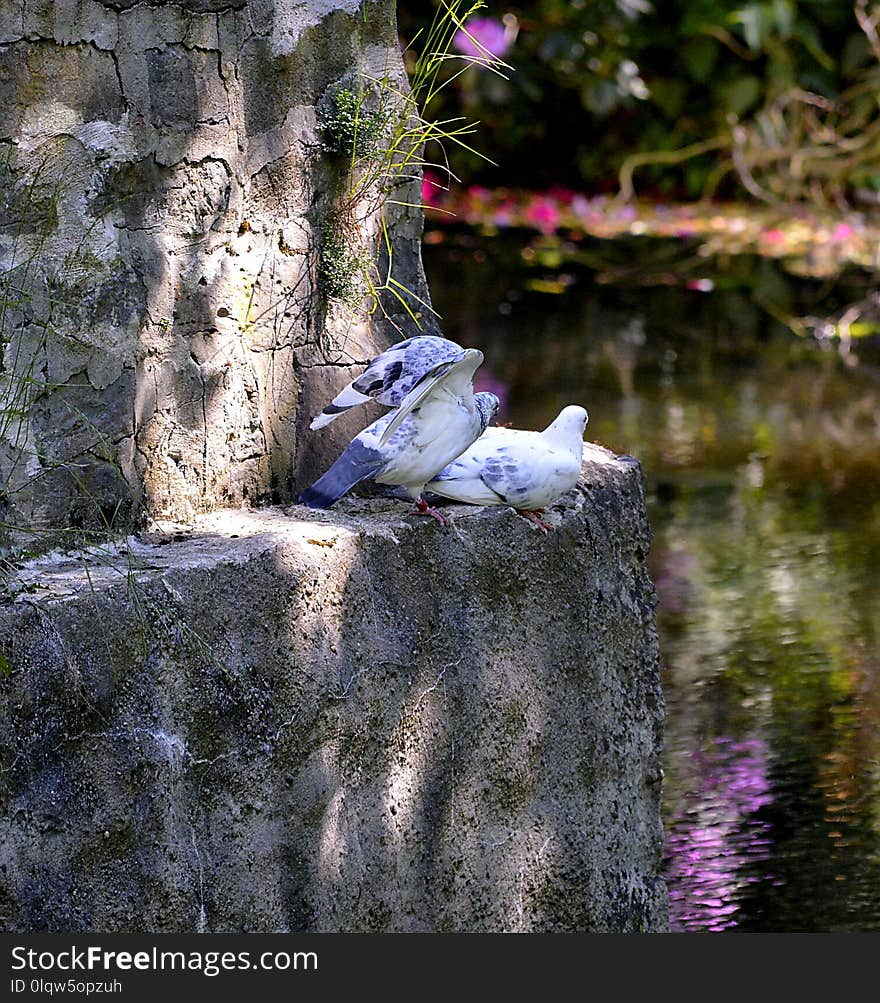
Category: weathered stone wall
[353,720]
[164,192]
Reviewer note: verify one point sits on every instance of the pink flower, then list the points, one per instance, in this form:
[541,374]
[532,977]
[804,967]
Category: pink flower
[491,35]
[543,214]
[773,236]
[841,233]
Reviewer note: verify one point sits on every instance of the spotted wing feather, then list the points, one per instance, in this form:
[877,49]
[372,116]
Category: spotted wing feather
[455,374]
[391,376]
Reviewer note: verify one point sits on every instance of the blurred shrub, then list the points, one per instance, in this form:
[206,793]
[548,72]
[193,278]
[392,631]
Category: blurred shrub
[596,81]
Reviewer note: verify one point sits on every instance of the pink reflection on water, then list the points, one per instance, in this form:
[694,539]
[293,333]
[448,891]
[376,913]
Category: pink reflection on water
[716,844]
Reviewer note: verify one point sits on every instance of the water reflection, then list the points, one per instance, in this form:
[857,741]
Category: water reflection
[717,842]
[762,459]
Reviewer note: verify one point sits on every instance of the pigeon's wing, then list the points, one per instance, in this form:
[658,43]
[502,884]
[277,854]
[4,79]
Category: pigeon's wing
[391,376]
[456,374]
[507,473]
[464,480]
[508,464]
[403,366]
[468,487]
[528,472]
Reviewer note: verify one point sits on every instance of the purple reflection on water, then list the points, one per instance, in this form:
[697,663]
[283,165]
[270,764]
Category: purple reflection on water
[715,843]
[674,579]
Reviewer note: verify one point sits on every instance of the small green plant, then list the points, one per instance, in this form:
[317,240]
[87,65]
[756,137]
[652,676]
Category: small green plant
[352,120]
[344,263]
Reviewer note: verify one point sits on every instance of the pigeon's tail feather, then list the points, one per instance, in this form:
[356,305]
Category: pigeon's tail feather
[325,417]
[356,463]
[342,402]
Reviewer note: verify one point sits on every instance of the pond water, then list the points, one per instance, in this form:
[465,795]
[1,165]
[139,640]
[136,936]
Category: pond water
[761,454]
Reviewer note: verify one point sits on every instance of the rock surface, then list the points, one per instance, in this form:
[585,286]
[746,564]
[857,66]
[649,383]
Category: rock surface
[352,720]
[165,191]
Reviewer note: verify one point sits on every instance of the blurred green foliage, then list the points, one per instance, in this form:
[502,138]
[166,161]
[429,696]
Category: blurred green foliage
[594,81]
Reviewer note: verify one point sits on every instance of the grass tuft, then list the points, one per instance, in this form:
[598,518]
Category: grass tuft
[385,129]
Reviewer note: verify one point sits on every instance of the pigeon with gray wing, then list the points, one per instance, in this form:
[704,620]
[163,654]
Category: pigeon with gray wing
[526,470]
[392,375]
[436,421]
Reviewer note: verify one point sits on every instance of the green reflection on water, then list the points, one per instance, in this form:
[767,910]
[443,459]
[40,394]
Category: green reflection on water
[762,461]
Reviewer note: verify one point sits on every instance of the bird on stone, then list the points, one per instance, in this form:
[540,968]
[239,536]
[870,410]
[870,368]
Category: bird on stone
[392,375]
[526,470]
[436,421]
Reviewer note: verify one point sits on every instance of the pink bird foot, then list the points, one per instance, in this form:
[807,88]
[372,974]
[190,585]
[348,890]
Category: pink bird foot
[423,508]
[534,516]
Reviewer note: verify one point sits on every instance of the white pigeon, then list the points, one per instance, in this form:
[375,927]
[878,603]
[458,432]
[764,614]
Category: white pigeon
[526,470]
[436,421]
[392,375]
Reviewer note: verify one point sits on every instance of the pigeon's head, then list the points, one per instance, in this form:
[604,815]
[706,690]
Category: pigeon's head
[569,423]
[487,408]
